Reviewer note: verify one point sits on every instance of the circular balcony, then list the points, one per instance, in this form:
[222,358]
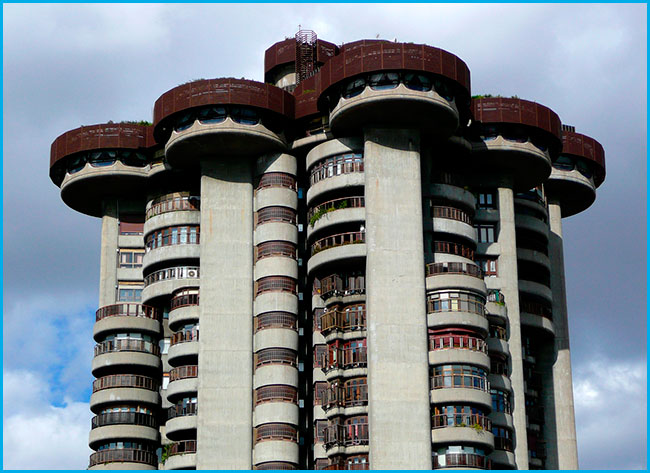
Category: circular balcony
[577,173]
[123,354]
[455,276]
[503,459]
[275,319]
[346,439]
[184,347]
[184,308]
[183,382]
[276,231]
[165,282]
[498,345]
[181,422]
[344,324]
[451,193]
[181,455]
[516,136]
[502,419]
[500,381]
[269,412]
[268,374]
[346,210]
[126,317]
[269,196]
[462,461]
[126,388]
[461,389]
[275,442]
[275,266]
[473,429]
[344,400]
[120,425]
[170,244]
[536,315]
[221,117]
[450,220]
[536,290]
[454,348]
[128,459]
[92,163]
[337,248]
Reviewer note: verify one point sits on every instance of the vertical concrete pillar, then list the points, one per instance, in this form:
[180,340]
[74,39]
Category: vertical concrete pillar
[563,435]
[399,413]
[108,258]
[225,385]
[509,280]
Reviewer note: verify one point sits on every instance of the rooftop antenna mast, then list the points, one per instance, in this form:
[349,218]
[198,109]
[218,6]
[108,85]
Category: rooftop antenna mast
[305,54]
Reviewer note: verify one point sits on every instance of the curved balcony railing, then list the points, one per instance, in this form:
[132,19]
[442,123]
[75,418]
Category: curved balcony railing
[181,410]
[336,285]
[275,248]
[276,393]
[345,358]
[535,308]
[179,272]
[127,345]
[315,213]
[183,372]
[125,381]
[479,422]
[345,396]
[346,435]
[173,203]
[275,356]
[184,300]
[276,319]
[335,166]
[276,179]
[433,269]
[185,336]
[340,239]
[131,455]
[343,320]
[459,342]
[276,284]
[464,302]
[132,418]
[451,213]
[453,249]
[275,214]
[472,460]
[275,466]
[503,443]
[275,432]
[343,465]
[467,381]
[127,310]
[171,236]
[184,446]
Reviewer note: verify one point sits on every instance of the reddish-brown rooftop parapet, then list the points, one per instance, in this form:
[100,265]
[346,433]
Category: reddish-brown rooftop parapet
[103,136]
[222,92]
[583,146]
[517,111]
[284,52]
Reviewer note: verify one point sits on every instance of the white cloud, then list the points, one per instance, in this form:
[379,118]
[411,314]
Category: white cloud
[37,435]
[610,403]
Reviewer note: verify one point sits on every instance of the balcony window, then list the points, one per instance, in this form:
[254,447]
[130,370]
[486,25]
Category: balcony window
[564,163]
[460,456]
[501,401]
[486,200]
[132,158]
[172,236]
[459,376]
[130,258]
[443,89]
[486,233]
[211,115]
[354,87]
[244,116]
[184,121]
[76,163]
[129,294]
[418,82]
[102,158]
[488,266]
[584,169]
[384,80]
[455,301]
[489,133]
[460,416]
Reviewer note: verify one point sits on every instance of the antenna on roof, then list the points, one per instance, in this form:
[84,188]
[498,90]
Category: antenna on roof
[305,54]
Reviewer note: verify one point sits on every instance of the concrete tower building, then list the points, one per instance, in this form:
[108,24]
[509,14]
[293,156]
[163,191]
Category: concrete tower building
[372,257]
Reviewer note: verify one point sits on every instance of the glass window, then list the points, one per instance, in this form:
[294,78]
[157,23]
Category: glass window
[486,233]
[417,82]
[354,88]
[487,200]
[184,121]
[564,163]
[212,115]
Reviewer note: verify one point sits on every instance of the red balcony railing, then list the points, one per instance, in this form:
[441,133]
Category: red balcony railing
[275,432]
[275,319]
[180,410]
[184,300]
[276,393]
[276,179]
[127,310]
[336,285]
[337,204]
[453,249]
[468,381]
[184,446]
[173,202]
[185,336]
[451,213]
[275,248]
[340,239]
[131,455]
[461,342]
[270,356]
[345,396]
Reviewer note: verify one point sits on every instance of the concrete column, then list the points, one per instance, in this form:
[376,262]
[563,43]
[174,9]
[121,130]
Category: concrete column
[108,258]
[560,406]
[399,413]
[225,384]
[510,288]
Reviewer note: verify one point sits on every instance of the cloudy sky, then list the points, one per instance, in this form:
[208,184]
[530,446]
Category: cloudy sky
[72,65]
